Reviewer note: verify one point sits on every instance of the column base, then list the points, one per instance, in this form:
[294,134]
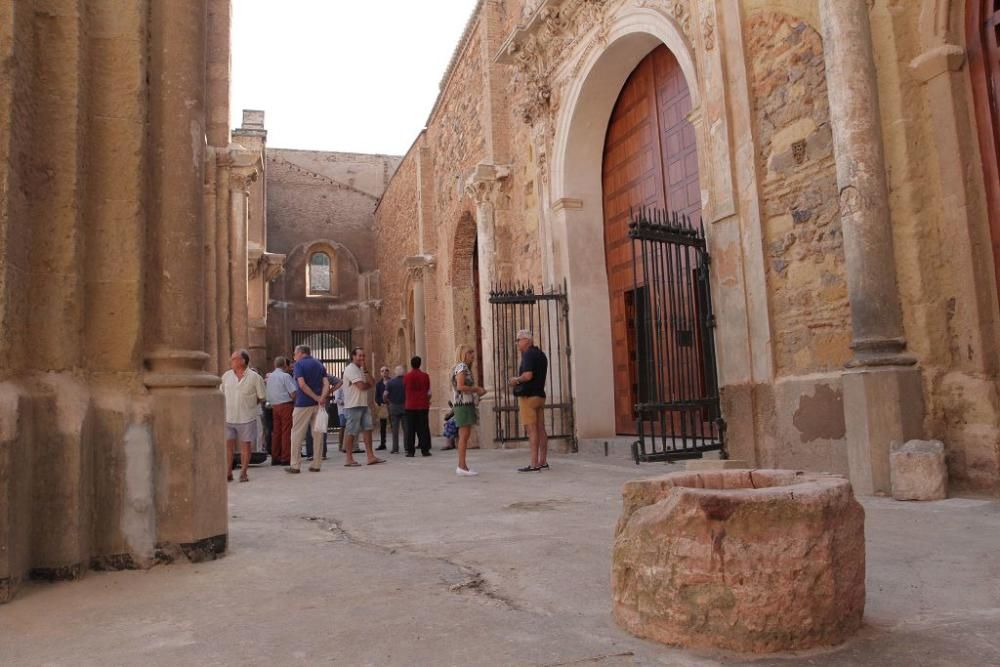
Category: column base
[882,405]
[192,498]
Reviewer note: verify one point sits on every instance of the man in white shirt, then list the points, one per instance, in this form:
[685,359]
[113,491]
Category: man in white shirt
[280,395]
[244,390]
[357,382]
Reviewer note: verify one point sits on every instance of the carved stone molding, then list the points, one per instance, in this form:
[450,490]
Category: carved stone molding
[552,31]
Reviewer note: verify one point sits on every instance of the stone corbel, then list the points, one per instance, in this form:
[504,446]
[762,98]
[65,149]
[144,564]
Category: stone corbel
[937,61]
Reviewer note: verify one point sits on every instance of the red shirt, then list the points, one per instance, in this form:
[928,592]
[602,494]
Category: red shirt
[417,385]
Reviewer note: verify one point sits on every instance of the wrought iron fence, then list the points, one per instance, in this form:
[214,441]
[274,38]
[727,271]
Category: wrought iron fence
[676,388]
[545,313]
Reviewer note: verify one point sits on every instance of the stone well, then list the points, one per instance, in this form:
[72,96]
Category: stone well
[746,560]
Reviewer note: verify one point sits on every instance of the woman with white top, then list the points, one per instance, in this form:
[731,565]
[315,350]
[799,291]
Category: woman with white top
[465,397]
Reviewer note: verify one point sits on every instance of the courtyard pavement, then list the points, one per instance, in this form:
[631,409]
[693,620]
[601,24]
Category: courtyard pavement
[406,564]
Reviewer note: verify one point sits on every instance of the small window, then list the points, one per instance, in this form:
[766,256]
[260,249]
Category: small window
[319,273]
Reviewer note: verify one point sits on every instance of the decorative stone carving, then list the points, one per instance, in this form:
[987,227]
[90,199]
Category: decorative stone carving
[268,265]
[551,32]
[708,32]
[416,265]
[484,183]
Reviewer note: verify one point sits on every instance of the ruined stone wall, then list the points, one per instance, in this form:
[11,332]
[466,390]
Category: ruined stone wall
[322,201]
[396,239]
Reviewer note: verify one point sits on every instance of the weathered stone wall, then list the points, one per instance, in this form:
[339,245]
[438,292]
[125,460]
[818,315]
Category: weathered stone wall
[322,201]
[395,242]
[785,323]
[805,267]
[109,424]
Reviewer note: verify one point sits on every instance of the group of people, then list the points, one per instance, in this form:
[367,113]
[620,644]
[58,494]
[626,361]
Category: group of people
[302,399]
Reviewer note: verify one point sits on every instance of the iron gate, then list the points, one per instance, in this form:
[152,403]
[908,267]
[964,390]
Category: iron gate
[545,313]
[332,348]
[675,382]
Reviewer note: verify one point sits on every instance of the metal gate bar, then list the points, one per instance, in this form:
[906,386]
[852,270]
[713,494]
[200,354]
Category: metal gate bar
[545,313]
[677,408]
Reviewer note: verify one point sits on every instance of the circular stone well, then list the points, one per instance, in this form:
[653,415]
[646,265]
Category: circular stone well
[746,560]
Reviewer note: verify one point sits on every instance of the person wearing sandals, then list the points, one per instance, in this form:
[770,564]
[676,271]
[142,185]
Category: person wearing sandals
[465,397]
[359,423]
[244,390]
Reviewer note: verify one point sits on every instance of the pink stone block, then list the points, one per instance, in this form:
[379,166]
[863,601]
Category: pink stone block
[746,560]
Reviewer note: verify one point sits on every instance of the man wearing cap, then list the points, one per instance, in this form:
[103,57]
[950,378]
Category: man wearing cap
[529,387]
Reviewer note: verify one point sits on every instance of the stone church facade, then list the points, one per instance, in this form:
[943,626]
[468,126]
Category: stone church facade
[841,155]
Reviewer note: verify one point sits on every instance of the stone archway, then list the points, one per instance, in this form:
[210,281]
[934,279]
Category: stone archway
[577,196]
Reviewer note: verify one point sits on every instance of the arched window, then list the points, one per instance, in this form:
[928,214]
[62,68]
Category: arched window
[318,276]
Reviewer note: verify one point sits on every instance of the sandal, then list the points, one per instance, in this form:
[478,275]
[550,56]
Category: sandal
[376,462]
[229,477]
[352,464]
[244,478]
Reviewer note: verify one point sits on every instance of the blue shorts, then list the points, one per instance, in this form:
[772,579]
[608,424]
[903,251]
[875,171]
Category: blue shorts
[359,419]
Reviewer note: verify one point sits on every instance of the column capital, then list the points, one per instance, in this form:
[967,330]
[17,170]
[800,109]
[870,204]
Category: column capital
[416,265]
[483,184]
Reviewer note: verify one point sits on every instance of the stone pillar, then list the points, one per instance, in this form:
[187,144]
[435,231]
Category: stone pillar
[483,186]
[883,398]
[243,172]
[187,406]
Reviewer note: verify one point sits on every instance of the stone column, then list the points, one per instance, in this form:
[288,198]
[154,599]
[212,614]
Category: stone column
[483,186]
[187,407]
[883,398]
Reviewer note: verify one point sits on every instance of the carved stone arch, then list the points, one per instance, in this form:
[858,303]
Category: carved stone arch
[581,121]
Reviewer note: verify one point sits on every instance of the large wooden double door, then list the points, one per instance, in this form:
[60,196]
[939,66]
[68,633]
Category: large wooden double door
[650,159]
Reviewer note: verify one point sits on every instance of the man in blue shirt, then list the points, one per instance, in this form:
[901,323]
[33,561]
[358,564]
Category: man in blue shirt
[314,389]
[395,396]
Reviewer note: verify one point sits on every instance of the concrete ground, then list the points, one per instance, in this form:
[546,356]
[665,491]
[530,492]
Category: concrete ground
[406,564]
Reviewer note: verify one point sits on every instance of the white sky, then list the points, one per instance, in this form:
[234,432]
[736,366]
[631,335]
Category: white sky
[342,75]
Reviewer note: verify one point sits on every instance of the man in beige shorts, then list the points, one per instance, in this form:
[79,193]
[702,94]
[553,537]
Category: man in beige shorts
[529,387]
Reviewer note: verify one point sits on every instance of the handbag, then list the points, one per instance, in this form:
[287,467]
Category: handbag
[381,411]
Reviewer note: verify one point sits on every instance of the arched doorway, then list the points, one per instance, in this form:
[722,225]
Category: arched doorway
[983,32]
[650,159]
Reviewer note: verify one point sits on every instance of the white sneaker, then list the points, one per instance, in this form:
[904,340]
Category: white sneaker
[465,473]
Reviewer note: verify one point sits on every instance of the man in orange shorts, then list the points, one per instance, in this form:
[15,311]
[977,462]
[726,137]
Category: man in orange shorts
[529,387]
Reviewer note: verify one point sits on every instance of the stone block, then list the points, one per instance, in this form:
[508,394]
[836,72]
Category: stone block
[919,471]
[746,560]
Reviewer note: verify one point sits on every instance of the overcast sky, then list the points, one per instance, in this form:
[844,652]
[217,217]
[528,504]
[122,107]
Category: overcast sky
[342,75]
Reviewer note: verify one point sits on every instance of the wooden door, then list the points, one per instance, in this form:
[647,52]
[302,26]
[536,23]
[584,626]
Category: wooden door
[650,159]
[983,31]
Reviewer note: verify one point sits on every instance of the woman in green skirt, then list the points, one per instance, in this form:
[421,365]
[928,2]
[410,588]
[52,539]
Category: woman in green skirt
[465,398]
